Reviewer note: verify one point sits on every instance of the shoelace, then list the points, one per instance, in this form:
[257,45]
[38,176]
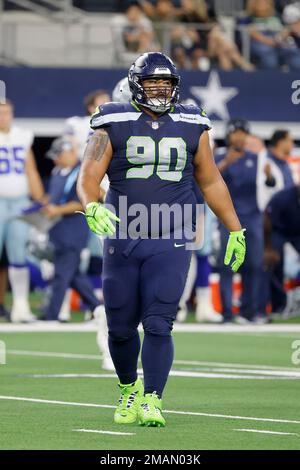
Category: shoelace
[130,399]
[146,407]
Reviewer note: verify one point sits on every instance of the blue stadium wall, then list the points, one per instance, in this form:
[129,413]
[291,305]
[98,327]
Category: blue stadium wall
[57,93]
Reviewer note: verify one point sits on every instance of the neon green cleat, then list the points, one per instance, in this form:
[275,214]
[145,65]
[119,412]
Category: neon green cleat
[150,411]
[129,402]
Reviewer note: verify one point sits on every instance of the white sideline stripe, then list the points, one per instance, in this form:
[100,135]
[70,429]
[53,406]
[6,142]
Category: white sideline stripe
[19,352]
[51,327]
[190,413]
[106,432]
[268,432]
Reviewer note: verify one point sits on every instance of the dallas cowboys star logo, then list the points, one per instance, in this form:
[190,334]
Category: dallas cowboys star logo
[214,97]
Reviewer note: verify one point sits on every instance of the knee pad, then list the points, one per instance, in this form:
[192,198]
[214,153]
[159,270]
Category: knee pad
[158,325]
[121,333]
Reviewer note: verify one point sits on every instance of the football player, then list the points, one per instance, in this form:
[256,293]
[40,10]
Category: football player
[151,148]
[19,179]
[78,127]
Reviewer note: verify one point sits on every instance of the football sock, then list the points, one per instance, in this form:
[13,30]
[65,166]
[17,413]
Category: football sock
[19,281]
[157,359]
[125,357]
[203,271]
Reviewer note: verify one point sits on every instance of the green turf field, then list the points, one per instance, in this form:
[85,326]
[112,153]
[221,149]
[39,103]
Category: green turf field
[224,384]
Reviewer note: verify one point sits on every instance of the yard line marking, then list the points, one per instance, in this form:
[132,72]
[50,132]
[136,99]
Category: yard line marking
[232,364]
[57,402]
[68,376]
[106,432]
[268,432]
[271,373]
[19,352]
[190,413]
[173,373]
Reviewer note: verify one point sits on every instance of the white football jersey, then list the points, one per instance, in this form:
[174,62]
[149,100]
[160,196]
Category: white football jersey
[14,148]
[79,128]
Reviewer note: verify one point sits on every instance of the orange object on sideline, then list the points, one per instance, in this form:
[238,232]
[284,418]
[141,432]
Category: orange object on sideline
[75,300]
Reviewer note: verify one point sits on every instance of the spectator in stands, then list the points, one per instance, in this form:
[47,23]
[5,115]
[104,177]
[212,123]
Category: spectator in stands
[163,11]
[225,52]
[281,225]
[69,235]
[291,17]
[210,43]
[134,33]
[189,43]
[270,46]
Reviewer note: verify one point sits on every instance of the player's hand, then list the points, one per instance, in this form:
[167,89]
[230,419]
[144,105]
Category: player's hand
[271,257]
[51,210]
[233,155]
[236,245]
[99,219]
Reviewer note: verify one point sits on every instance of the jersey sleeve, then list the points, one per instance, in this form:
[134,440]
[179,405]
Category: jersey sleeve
[204,119]
[195,115]
[69,127]
[28,138]
[105,115]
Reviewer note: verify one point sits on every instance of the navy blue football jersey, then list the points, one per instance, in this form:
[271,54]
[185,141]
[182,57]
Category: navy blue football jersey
[152,159]
[241,178]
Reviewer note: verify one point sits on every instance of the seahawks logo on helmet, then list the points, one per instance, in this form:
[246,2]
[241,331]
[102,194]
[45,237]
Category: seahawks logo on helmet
[154,65]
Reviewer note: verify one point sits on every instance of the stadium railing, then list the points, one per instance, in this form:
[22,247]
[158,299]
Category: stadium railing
[85,40]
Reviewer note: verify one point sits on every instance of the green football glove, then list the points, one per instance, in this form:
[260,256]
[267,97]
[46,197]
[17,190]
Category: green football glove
[236,245]
[99,219]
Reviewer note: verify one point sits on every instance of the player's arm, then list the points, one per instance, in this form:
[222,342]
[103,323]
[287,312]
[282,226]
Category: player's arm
[96,159]
[217,196]
[36,187]
[97,156]
[59,210]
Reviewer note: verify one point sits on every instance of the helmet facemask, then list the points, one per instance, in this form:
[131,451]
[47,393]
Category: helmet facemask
[158,98]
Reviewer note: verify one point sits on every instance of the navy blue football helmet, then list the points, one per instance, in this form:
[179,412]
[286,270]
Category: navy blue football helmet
[154,65]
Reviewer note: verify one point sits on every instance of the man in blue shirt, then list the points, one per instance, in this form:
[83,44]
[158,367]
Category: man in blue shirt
[281,145]
[281,225]
[70,233]
[239,169]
